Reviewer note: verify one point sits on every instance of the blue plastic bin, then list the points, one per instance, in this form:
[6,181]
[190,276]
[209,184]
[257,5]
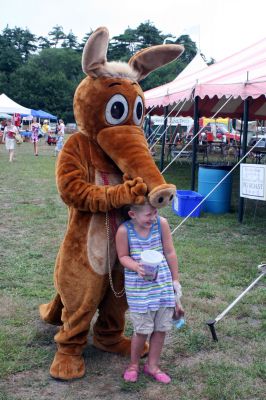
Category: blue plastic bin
[185,201]
[220,200]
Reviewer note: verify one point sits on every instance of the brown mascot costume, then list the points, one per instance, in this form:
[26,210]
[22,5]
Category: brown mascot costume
[103,167]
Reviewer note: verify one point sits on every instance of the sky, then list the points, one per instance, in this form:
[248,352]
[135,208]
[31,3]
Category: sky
[220,28]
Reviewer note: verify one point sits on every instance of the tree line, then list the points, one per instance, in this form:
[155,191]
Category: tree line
[43,72]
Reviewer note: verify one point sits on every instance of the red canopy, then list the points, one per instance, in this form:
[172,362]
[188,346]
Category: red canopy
[241,75]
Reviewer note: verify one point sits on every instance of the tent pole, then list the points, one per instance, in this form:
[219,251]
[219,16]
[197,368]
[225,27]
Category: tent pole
[164,138]
[244,150]
[195,141]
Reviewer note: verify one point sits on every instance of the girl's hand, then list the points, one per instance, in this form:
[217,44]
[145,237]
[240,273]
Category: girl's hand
[140,270]
[179,312]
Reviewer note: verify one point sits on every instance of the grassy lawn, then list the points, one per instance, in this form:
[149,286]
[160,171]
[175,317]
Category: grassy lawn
[218,259]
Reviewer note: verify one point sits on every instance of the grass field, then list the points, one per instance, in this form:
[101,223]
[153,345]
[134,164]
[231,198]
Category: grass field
[218,259]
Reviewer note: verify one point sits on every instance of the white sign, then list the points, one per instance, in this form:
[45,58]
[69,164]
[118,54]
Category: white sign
[253,181]
[157,120]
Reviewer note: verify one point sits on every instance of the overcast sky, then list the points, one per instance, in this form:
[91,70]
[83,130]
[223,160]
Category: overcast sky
[219,27]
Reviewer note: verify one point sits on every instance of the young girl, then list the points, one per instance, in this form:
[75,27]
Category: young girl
[151,303]
[35,126]
[59,143]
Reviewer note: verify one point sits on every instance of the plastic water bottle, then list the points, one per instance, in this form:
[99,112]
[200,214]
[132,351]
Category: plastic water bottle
[178,318]
[178,324]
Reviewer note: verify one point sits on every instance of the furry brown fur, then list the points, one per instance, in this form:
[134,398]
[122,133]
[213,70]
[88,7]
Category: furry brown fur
[89,175]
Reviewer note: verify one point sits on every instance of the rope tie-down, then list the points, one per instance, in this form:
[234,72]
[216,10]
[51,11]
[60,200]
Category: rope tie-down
[212,322]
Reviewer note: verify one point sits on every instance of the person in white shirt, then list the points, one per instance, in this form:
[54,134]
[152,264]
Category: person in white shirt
[9,138]
[61,127]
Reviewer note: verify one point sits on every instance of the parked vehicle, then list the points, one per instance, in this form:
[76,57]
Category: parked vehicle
[222,131]
[255,139]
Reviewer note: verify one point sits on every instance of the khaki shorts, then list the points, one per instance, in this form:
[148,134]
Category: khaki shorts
[152,321]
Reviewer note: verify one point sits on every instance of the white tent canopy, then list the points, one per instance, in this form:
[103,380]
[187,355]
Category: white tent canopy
[11,107]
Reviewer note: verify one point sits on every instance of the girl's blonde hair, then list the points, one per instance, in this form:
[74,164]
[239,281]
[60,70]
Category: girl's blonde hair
[137,207]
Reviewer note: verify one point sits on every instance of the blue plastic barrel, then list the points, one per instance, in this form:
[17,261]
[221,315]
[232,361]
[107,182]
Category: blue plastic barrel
[219,201]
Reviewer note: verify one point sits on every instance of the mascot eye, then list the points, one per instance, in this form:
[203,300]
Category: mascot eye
[116,110]
[138,111]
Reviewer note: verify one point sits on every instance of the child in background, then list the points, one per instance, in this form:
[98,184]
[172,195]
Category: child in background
[59,143]
[151,303]
[60,137]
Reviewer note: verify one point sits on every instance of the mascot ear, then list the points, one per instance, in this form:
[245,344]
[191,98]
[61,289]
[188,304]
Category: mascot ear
[151,58]
[94,52]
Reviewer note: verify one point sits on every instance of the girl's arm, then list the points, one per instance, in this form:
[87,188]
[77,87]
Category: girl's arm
[168,249]
[122,249]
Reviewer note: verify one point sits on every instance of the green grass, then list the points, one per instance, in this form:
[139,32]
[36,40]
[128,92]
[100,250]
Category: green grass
[218,259]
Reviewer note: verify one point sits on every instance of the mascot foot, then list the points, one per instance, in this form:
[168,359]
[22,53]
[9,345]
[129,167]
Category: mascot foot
[67,367]
[123,347]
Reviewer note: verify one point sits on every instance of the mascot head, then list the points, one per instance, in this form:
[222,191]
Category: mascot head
[109,107]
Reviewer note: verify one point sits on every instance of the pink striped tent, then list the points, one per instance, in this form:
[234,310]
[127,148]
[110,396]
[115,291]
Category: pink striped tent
[242,76]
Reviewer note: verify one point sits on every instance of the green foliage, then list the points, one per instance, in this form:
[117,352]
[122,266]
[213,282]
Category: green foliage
[70,41]
[56,34]
[43,73]
[51,79]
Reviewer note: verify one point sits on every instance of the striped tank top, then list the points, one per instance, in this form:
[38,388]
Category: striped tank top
[145,295]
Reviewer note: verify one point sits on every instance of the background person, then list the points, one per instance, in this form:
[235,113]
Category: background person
[35,127]
[151,303]
[9,138]
[61,127]
[46,129]
[59,143]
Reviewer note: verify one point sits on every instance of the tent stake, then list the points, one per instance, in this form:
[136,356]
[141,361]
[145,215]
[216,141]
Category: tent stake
[211,323]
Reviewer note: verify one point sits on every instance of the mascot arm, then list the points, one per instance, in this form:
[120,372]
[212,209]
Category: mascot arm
[76,190]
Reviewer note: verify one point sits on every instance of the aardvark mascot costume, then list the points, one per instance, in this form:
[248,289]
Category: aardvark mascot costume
[101,168]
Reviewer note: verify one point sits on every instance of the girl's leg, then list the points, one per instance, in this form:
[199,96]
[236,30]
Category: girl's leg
[137,346]
[36,148]
[156,345]
[11,155]
[152,367]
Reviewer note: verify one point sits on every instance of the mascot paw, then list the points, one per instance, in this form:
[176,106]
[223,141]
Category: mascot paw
[123,347]
[67,367]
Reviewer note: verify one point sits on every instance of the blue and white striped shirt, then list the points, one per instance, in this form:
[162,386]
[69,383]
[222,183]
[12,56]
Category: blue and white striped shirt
[145,295]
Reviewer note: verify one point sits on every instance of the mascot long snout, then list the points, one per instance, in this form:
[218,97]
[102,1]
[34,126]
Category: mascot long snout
[127,147]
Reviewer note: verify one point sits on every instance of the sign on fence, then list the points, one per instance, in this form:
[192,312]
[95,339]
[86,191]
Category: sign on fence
[253,181]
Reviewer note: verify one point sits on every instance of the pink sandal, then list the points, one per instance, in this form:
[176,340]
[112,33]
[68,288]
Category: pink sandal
[159,376]
[131,374]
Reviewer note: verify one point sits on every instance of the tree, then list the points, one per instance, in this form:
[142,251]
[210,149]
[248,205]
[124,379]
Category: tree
[84,40]
[56,35]
[48,81]
[148,35]
[21,40]
[190,48]
[10,58]
[44,43]
[71,41]
[123,46]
